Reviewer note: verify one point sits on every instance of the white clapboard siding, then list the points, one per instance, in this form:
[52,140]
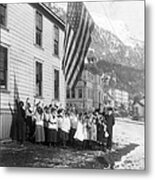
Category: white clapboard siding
[19,38]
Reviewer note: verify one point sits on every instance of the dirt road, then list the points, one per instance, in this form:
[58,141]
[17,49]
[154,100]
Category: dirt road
[127,153]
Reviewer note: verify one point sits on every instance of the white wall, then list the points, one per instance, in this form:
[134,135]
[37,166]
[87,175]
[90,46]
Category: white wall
[20,39]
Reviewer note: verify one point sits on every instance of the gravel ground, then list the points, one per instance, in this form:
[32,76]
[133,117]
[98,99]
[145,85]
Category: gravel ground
[127,152]
[126,133]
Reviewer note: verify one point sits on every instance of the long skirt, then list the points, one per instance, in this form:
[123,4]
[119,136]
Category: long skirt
[46,130]
[29,127]
[21,130]
[39,134]
[89,133]
[85,133]
[93,133]
[52,136]
[100,133]
[59,139]
[64,136]
[46,134]
[71,135]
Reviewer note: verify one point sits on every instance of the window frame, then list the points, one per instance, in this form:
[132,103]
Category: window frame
[5,88]
[37,29]
[40,94]
[73,95]
[58,87]
[80,97]
[56,40]
[5,16]
[67,93]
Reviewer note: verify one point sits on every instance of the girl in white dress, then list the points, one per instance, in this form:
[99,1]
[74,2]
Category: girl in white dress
[79,136]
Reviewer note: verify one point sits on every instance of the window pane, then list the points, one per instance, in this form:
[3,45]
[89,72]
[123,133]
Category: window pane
[3,14]
[38,21]
[80,93]
[56,32]
[56,48]
[38,79]
[73,93]
[68,94]
[56,84]
[2,76]
[56,40]
[38,37]
[3,67]
[38,28]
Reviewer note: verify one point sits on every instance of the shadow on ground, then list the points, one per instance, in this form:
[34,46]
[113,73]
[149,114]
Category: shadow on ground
[110,158]
[12,155]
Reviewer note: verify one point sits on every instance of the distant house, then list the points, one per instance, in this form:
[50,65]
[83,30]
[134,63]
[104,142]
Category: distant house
[121,97]
[139,110]
[88,93]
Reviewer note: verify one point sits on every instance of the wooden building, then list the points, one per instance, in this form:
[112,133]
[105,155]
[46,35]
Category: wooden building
[139,110]
[31,50]
[88,93]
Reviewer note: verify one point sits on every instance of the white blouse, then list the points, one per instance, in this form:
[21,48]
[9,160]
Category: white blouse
[53,122]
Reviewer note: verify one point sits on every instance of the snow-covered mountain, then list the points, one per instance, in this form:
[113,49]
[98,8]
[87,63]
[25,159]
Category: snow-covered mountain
[108,47]
[124,34]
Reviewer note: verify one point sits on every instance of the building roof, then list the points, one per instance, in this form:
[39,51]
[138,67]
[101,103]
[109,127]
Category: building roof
[140,102]
[49,14]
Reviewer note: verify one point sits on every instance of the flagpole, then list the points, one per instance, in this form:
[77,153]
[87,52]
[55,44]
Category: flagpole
[84,88]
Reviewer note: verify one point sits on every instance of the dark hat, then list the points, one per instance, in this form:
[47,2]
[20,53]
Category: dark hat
[109,109]
[97,110]
[60,111]
[53,109]
[21,103]
[46,107]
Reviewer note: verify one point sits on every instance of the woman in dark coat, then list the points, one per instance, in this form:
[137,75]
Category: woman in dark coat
[21,123]
[29,122]
[100,131]
[110,121]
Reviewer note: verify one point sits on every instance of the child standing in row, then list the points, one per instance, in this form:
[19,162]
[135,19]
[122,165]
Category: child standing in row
[65,128]
[52,128]
[39,125]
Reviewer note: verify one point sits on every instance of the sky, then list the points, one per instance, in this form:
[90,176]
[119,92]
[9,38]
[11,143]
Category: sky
[123,18]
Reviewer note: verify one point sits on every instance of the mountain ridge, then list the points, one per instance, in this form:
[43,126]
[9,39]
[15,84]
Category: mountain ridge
[107,46]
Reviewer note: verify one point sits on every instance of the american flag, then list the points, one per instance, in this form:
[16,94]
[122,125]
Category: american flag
[77,40]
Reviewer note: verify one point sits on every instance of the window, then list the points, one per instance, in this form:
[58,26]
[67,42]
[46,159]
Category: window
[3,67]
[67,93]
[56,84]
[56,40]
[73,93]
[3,14]
[38,79]
[137,112]
[80,93]
[39,27]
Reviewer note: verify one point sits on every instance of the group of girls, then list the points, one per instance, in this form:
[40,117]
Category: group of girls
[54,126]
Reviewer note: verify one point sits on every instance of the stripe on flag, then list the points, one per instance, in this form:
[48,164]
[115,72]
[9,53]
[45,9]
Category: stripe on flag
[77,40]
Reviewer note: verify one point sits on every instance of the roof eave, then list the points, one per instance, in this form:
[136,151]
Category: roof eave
[53,14]
[49,14]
